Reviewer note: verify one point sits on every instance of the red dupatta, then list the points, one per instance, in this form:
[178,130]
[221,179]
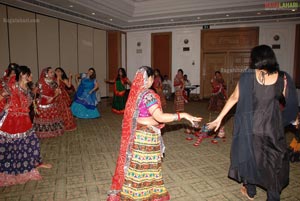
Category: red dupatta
[46,87]
[178,81]
[137,90]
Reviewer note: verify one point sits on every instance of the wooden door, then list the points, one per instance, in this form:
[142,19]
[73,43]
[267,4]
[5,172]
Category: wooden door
[228,51]
[114,55]
[237,63]
[211,62]
[161,52]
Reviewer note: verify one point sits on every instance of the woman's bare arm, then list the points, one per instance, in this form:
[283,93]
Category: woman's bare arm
[233,99]
[162,117]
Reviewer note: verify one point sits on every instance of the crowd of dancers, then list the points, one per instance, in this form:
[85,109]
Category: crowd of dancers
[266,104]
[29,112]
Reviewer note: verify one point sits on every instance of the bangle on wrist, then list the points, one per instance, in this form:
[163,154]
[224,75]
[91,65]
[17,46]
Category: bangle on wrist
[178,116]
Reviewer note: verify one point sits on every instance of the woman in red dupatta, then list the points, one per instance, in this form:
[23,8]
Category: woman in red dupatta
[158,86]
[179,90]
[19,145]
[48,121]
[8,77]
[64,100]
[138,170]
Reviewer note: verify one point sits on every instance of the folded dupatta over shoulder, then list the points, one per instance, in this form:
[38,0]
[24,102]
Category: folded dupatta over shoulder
[137,91]
[178,81]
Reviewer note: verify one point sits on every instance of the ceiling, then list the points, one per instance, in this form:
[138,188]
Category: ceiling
[132,15]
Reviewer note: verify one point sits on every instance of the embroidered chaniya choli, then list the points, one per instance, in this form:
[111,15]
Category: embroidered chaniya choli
[19,145]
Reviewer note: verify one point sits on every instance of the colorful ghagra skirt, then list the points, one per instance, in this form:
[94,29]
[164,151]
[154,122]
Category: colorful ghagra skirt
[179,100]
[118,103]
[48,122]
[19,157]
[143,179]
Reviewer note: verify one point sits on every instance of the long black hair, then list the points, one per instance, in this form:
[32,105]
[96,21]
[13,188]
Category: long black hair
[159,74]
[64,75]
[11,67]
[93,76]
[264,58]
[22,70]
[123,73]
[149,71]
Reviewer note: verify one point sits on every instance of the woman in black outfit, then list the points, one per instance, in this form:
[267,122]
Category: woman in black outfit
[259,155]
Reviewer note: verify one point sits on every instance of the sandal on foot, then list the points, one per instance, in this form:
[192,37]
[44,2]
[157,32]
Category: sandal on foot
[244,192]
[198,142]
[215,140]
[189,138]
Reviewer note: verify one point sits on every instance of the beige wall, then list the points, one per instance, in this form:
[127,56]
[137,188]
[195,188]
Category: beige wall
[4,51]
[68,47]
[39,41]
[85,48]
[22,38]
[47,41]
[100,58]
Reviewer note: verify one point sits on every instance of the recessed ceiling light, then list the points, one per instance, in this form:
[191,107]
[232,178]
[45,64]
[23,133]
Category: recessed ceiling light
[171,20]
[110,19]
[227,15]
[71,6]
[293,10]
[258,13]
[93,13]
[198,18]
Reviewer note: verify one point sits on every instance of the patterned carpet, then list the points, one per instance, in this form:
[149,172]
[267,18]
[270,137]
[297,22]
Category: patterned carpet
[84,161]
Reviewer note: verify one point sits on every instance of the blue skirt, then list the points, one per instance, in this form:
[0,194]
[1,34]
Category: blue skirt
[80,111]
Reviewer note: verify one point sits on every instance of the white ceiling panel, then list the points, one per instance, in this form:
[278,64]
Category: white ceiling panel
[127,15]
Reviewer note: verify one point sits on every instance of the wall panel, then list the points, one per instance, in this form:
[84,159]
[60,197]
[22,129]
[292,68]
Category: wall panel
[85,48]
[285,44]
[100,59]
[48,42]
[22,34]
[4,50]
[68,47]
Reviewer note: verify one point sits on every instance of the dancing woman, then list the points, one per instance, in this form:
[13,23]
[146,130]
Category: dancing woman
[85,101]
[64,100]
[217,101]
[9,76]
[158,87]
[138,171]
[48,121]
[179,90]
[19,145]
[259,155]
[120,98]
